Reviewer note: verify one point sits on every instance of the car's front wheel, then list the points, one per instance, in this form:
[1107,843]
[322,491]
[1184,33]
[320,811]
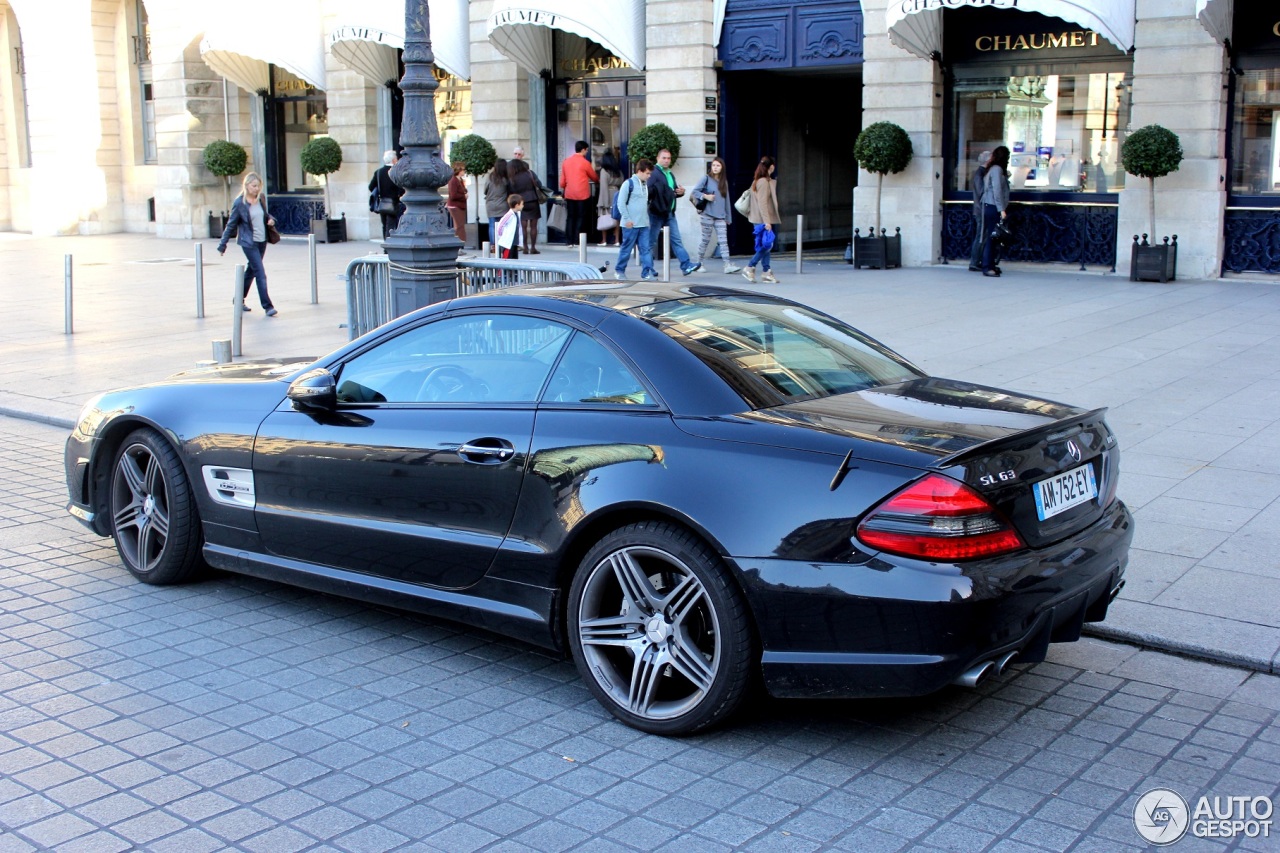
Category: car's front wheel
[153,514]
[659,630]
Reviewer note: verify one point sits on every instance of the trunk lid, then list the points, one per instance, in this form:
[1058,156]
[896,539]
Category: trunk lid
[1006,446]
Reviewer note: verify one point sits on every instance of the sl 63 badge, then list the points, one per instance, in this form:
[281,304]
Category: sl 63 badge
[998,477]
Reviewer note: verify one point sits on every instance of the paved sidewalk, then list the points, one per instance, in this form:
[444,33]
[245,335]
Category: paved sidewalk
[1187,369]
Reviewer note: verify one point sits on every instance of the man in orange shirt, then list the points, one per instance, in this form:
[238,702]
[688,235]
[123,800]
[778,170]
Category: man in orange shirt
[576,176]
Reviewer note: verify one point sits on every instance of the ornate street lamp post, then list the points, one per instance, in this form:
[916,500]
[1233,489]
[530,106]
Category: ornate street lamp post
[423,249]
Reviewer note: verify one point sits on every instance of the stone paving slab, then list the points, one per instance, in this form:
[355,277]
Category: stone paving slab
[1186,368]
[234,713]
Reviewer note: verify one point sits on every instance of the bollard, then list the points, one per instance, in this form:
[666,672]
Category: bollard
[199,281]
[486,250]
[237,306]
[582,247]
[666,253]
[66,285]
[311,253]
[799,243]
[222,352]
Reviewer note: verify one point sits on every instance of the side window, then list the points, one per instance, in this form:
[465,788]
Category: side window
[476,358]
[589,373]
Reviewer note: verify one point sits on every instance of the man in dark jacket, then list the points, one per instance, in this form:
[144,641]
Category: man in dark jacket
[663,192]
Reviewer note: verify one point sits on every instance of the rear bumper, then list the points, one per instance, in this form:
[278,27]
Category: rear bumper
[899,627]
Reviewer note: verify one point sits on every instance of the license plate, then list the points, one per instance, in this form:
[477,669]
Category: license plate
[1068,489]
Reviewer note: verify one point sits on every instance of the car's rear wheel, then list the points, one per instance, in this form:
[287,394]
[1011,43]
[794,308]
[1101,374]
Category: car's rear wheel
[659,630]
[153,513]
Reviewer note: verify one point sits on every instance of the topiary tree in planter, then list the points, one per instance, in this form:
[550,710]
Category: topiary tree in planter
[322,157]
[1152,152]
[882,148]
[649,140]
[225,160]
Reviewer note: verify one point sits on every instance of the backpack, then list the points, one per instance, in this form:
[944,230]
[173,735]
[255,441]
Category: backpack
[615,212]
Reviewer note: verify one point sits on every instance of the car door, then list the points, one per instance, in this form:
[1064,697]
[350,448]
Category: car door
[416,473]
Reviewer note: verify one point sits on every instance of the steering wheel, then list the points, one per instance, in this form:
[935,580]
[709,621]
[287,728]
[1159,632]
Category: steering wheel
[449,382]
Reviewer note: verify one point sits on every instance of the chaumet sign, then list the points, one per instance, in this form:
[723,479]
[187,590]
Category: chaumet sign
[1038,41]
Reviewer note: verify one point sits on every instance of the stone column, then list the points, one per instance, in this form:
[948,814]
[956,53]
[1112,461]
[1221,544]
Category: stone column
[352,102]
[1179,81]
[679,77]
[902,88]
[499,94]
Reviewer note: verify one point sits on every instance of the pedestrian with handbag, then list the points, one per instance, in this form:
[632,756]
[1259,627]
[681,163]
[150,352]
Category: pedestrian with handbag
[385,194]
[252,228]
[763,216]
[995,206]
[711,197]
[526,184]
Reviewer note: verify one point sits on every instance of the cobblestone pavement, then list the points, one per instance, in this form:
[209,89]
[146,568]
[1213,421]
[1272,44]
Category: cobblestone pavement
[240,714]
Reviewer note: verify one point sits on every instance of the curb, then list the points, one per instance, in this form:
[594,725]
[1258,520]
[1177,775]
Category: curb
[51,420]
[1155,642]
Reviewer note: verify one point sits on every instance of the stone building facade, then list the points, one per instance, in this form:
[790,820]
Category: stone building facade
[106,106]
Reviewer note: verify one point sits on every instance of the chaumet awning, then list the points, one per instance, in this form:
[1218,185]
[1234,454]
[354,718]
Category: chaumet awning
[1215,16]
[916,25]
[521,29]
[370,32]
[288,36]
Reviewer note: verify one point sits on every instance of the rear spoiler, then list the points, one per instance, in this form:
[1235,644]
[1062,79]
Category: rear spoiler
[1058,430]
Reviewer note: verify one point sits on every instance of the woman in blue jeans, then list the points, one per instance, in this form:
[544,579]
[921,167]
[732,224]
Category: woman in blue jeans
[248,223]
[763,216]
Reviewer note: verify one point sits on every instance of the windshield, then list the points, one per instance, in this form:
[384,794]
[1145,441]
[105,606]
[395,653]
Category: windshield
[774,352]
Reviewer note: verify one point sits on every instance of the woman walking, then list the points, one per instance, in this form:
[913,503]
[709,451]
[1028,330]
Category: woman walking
[248,222]
[610,170]
[714,190]
[457,202]
[525,184]
[496,190]
[995,204]
[763,216]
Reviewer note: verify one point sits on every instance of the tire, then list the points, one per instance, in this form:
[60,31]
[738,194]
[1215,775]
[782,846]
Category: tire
[154,520]
[659,630]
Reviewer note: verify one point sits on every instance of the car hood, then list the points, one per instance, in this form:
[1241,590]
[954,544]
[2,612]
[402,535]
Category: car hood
[263,369]
[914,423]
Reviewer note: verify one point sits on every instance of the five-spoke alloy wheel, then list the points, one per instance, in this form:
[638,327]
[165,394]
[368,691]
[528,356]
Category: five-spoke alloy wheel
[153,515]
[659,631]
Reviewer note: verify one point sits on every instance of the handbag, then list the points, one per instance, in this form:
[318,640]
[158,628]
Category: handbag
[1001,235]
[387,206]
[273,236]
[699,202]
[539,190]
[743,204]
[606,223]
[558,218]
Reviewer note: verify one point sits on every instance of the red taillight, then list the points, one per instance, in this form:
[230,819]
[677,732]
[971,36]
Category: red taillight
[937,518]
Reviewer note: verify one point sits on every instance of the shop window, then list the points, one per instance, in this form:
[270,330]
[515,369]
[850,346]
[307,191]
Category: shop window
[1063,131]
[1255,137]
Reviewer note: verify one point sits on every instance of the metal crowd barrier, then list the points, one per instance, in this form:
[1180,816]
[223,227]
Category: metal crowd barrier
[369,293]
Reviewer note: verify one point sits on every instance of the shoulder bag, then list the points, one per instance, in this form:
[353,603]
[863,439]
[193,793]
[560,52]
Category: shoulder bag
[273,236]
[743,204]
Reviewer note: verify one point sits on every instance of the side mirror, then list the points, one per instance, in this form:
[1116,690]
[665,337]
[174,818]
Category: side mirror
[315,390]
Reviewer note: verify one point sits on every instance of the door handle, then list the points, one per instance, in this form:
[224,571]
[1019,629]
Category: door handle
[487,449]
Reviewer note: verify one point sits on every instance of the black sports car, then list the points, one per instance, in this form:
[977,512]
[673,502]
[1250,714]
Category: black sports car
[684,488]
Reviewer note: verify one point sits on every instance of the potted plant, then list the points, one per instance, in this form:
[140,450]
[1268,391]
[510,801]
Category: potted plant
[646,142]
[225,160]
[478,156]
[322,157]
[1152,152]
[881,148]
